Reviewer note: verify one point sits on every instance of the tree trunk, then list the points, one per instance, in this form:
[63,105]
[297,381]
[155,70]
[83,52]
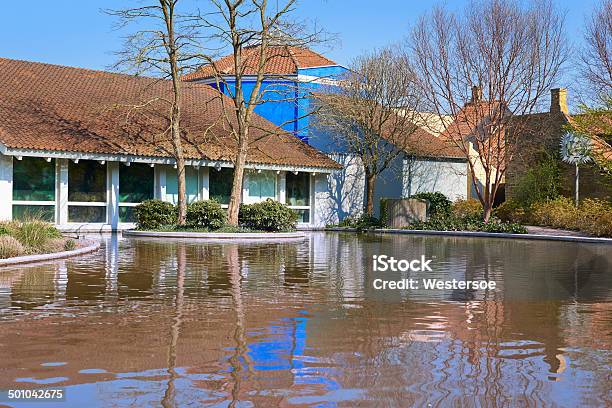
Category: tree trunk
[370,182]
[175,113]
[487,211]
[236,195]
[182,193]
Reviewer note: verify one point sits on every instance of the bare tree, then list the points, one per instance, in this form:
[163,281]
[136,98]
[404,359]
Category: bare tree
[502,58]
[596,56]
[160,48]
[373,113]
[250,29]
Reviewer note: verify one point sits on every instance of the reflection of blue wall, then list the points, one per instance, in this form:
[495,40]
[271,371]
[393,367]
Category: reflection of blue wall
[282,346]
[287,100]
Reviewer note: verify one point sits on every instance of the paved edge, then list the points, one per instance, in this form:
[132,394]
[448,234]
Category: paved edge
[238,236]
[539,237]
[90,247]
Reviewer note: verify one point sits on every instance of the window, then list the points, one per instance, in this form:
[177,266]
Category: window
[220,184]
[191,179]
[34,189]
[86,191]
[297,194]
[136,184]
[261,186]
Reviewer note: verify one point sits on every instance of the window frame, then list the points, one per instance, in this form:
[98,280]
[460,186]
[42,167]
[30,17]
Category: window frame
[45,203]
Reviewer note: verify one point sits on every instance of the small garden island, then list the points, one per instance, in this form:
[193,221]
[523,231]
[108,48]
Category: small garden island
[32,237]
[208,216]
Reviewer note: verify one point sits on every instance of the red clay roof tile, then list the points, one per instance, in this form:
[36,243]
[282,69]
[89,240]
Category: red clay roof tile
[282,60]
[50,107]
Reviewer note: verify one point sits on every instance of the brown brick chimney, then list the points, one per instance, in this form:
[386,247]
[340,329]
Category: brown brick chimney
[476,94]
[558,100]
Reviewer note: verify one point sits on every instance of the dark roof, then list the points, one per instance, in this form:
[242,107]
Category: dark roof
[281,60]
[50,107]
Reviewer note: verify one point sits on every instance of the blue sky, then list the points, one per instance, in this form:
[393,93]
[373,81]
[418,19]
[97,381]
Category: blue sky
[77,33]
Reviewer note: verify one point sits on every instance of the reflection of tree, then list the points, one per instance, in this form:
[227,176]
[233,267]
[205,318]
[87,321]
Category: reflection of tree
[169,399]
[240,355]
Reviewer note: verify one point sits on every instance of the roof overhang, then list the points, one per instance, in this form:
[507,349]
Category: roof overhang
[153,160]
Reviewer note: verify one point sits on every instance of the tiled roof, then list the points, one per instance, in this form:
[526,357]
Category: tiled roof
[472,115]
[282,60]
[424,144]
[50,107]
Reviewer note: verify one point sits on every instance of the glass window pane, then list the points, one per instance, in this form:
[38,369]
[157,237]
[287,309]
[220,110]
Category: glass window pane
[87,181]
[126,214]
[136,183]
[303,215]
[262,185]
[220,184]
[39,212]
[33,179]
[191,179]
[86,214]
[298,189]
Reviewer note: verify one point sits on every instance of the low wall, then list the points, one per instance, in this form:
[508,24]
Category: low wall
[401,212]
[85,247]
[212,236]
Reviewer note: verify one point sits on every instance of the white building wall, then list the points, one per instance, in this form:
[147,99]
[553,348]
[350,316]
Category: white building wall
[340,193]
[6,187]
[428,175]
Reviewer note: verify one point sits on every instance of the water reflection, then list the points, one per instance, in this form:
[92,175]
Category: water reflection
[148,323]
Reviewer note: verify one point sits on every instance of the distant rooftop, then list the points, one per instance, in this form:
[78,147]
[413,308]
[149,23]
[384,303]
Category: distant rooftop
[282,60]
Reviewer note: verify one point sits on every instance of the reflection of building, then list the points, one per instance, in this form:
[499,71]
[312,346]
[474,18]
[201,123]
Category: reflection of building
[297,323]
[77,148]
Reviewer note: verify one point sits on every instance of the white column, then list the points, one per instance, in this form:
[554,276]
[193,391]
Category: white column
[61,192]
[282,187]
[160,183]
[112,194]
[205,186]
[6,187]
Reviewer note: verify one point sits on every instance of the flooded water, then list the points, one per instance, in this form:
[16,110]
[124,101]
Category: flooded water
[180,323]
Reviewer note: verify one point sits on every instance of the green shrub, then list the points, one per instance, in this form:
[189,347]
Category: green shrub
[467,208]
[452,223]
[206,214]
[511,211]
[595,217]
[439,204]
[267,215]
[541,182]
[152,214]
[592,216]
[10,247]
[361,222]
[557,213]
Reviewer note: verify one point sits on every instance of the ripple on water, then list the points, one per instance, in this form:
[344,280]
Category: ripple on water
[148,322]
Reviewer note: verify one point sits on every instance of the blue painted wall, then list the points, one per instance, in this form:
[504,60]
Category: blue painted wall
[287,103]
